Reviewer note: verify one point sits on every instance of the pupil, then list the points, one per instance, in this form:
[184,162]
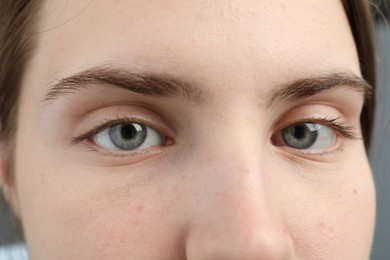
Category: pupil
[299,131]
[128,131]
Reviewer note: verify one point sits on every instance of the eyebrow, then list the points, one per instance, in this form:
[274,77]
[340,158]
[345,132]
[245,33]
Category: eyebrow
[306,87]
[164,85]
[149,84]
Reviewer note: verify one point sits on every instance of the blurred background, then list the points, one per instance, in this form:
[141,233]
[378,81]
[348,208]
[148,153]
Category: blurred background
[379,154]
[380,149]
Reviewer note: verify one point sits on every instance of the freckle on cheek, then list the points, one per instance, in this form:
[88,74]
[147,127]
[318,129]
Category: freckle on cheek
[321,225]
[355,191]
[324,229]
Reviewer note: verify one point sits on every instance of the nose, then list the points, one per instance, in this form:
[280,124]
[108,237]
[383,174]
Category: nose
[236,215]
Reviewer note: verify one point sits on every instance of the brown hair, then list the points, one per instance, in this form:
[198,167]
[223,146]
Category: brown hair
[18,19]
[361,24]
[17,22]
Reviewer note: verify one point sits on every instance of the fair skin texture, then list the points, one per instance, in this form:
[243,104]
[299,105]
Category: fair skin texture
[222,184]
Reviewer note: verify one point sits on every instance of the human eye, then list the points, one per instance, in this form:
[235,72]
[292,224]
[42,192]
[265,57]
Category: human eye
[127,137]
[123,135]
[313,135]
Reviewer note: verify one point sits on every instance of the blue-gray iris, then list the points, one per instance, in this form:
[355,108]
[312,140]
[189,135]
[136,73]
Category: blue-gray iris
[300,136]
[127,136]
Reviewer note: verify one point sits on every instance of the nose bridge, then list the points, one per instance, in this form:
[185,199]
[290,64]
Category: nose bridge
[235,217]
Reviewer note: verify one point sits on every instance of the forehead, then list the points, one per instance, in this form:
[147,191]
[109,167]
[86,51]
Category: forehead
[256,39]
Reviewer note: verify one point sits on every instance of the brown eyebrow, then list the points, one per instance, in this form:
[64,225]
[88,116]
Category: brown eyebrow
[149,84]
[306,87]
[164,85]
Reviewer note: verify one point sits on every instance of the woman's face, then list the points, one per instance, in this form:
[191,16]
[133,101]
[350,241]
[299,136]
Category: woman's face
[193,130]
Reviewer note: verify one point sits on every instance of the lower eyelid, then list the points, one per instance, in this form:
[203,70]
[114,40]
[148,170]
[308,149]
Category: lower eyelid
[122,156]
[302,157]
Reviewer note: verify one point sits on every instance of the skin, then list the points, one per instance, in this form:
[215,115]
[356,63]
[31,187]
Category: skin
[220,188]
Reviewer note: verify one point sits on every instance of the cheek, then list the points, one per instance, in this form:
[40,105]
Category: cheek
[337,225]
[81,212]
[81,222]
[116,228]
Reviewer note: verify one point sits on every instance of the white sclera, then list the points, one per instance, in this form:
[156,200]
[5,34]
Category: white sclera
[325,138]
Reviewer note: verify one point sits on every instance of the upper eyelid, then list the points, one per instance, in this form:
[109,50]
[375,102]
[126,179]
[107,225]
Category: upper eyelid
[312,119]
[99,118]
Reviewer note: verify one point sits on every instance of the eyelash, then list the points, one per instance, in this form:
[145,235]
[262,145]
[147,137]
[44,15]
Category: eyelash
[342,129]
[347,131]
[107,123]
